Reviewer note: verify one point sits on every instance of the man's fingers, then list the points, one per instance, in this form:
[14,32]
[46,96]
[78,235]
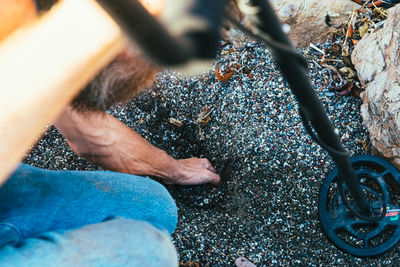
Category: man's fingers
[198,171]
[216,179]
[204,177]
[209,166]
[198,163]
[199,177]
[213,178]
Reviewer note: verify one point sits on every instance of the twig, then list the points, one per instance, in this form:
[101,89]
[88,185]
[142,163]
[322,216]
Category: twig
[316,48]
[351,22]
[382,13]
[316,63]
[334,60]
[345,46]
[332,68]
[205,116]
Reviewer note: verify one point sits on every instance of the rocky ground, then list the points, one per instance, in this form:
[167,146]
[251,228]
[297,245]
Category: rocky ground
[245,121]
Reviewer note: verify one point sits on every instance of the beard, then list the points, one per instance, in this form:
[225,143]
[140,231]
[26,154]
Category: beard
[123,78]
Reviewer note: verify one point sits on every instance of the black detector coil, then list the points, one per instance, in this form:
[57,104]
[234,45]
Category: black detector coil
[364,236]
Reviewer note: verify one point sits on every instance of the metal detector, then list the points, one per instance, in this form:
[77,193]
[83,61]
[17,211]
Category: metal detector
[357,202]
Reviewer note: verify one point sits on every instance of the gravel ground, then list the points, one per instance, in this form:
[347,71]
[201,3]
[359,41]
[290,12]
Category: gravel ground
[266,208]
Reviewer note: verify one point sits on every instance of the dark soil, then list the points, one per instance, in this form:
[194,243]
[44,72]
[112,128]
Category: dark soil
[266,207]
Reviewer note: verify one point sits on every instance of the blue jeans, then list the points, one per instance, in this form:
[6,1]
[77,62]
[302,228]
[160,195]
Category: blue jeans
[64,218]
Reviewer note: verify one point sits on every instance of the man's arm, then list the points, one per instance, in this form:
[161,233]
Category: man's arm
[106,141]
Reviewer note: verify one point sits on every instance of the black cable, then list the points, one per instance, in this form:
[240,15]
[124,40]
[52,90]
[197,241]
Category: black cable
[335,152]
[316,139]
[270,42]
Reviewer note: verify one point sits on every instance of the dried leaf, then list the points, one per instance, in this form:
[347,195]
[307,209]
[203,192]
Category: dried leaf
[175,122]
[336,74]
[349,72]
[206,120]
[236,66]
[347,61]
[364,29]
[335,48]
[204,116]
[354,41]
[224,76]
[326,81]
[375,4]
[346,50]
[380,11]
[365,145]
[355,90]
[345,89]
[228,51]
[140,121]
[350,30]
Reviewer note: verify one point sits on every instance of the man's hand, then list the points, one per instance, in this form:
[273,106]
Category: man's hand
[104,140]
[194,171]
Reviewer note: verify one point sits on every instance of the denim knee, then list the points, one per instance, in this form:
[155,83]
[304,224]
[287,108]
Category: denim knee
[118,242]
[166,204]
[36,200]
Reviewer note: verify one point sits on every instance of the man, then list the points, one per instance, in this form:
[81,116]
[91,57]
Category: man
[65,218]
[104,140]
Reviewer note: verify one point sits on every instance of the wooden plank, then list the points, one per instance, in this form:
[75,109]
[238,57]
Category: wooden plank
[42,67]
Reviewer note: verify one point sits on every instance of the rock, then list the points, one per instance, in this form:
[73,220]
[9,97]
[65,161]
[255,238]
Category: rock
[306,18]
[376,59]
[243,262]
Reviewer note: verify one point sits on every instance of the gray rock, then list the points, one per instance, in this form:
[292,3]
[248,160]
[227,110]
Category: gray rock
[306,18]
[243,262]
[376,59]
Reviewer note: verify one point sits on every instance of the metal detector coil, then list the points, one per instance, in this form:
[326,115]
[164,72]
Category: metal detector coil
[363,237]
